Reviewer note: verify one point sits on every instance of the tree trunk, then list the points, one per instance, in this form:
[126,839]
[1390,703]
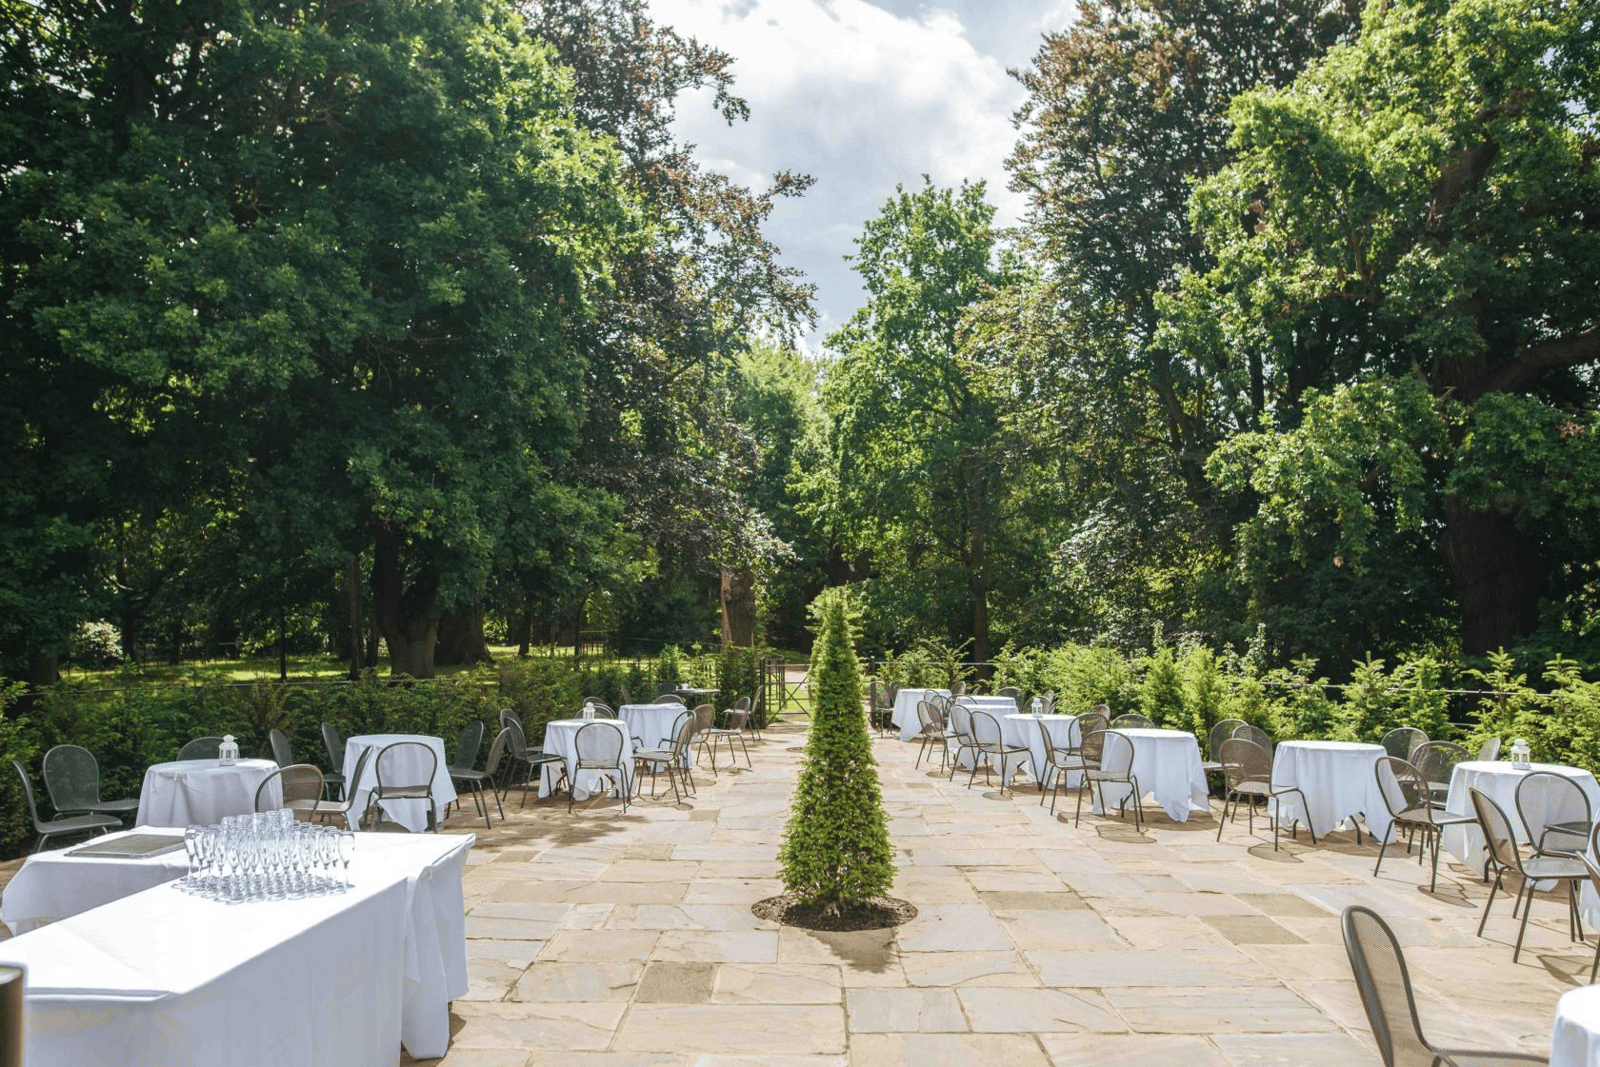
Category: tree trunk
[1496,569]
[522,634]
[461,637]
[408,612]
[42,670]
[357,616]
[738,608]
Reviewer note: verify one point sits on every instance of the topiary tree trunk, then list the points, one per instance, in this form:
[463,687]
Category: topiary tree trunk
[835,852]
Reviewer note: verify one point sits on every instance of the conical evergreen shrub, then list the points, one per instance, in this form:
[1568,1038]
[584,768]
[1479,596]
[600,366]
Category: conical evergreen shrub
[835,852]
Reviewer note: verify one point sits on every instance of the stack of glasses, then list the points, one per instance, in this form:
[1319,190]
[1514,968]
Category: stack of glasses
[266,856]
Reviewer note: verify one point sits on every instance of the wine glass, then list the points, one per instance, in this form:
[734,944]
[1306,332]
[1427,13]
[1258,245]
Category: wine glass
[347,849]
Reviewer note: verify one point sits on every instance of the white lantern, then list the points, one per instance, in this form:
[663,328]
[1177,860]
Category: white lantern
[228,751]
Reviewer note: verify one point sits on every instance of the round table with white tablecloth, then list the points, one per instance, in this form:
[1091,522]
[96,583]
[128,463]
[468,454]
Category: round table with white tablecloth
[1338,781]
[409,767]
[904,714]
[1023,729]
[1575,1040]
[561,738]
[1167,766]
[203,791]
[1498,780]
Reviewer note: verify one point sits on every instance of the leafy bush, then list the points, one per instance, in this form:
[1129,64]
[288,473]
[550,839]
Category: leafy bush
[15,744]
[1161,695]
[96,646]
[836,852]
[1203,691]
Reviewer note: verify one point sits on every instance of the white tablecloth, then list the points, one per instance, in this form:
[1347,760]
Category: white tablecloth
[53,886]
[1575,1041]
[652,724]
[412,814]
[202,791]
[1024,730]
[1498,780]
[905,710]
[1167,765]
[561,736]
[1338,780]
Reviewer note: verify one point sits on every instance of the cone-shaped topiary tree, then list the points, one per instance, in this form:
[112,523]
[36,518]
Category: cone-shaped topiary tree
[835,852]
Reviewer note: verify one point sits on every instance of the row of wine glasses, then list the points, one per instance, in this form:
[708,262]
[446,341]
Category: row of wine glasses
[266,856]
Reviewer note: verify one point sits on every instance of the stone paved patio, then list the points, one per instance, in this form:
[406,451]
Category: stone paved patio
[604,940]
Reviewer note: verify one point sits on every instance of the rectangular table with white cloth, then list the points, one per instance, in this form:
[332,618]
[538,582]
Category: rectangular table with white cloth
[1023,729]
[1339,782]
[408,765]
[71,892]
[203,791]
[1167,766]
[904,714]
[561,737]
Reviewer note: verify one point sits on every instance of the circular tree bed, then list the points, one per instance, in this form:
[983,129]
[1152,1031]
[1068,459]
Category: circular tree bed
[876,914]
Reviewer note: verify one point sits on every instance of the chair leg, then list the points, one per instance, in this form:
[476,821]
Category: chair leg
[1522,930]
[1384,847]
[1433,885]
[1493,889]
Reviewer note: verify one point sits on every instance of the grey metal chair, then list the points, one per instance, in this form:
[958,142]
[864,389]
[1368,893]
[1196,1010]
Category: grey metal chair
[1565,798]
[72,778]
[1436,761]
[1401,740]
[1247,776]
[599,747]
[61,824]
[341,808]
[735,720]
[282,751]
[1218,734]
[1504,855]
[302,789]
[464,756]
[960,728]
[1489,750]
[1409,798]
[200,748]
[1060,761]
[672,757]
[1593,874]
[396,783]
[1255,735]
[933,732]
[1131,720]
[993,748]
[705,717]
[463,773]
[668,698]
[531,759]
[1113,756]
[1385,987]
[1091,721]
[333,780]
[1009,691]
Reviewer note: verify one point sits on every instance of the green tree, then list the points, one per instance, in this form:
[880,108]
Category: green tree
[835,852]
[1161,697]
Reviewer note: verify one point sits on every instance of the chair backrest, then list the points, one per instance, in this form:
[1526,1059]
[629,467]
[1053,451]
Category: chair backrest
[335,746]
[1220,733]
[1401,740]
[705,717]
[27,791]
[928,718]
[959,689]
[302,787]
[1009,691]
[1490,749]
[72,778]
[367,752]
[515,739]
[743,704]
[668,698]
[511,718]
[402,762]
[1497,833]
[1090,721]
[200,748]
[603,711]
[734,719]
[985,729]
[1544,797]
[595,701]
[1092,745]
[1074,737]
[282,752]
[1435,760]
[598,744]
[1403,787]
[497,751]
[1131,721]
[961,721]
[1244,761]
[1116,758]
[467,745]
[683,728]
[1385,987]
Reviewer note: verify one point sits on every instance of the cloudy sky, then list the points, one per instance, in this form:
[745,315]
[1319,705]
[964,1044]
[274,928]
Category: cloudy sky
[862,96]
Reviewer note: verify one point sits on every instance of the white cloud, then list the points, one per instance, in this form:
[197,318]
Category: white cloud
[863,99]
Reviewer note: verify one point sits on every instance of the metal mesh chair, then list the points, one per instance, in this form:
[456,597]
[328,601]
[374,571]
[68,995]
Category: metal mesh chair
[1504,855]
[1255,735]
[1490,749]
[734,728]
[1091,721]
[599,747]
[1131,720]
[1407,795]
[1060,761]
[1593,874]
[72,778]
[465,755]
[933,732]
[530,759]
[302,789]
[672,757]
[61,824]
[992,746]
[959,689]
[668,698]
[1435,761]
[1009,691]
[1113,762]
[397,782]
[200,748]
[1555,811]
[1247,776]
[960,728]
[333,780]
[282,751]
[463,773]
[705,717]
[1219,733]
[341,808]
[1385,986]
[1401,740]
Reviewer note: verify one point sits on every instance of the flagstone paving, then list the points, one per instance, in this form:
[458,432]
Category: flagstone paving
[603,939]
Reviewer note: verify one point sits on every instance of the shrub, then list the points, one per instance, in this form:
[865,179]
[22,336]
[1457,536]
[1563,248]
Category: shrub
[96,646]
[835,852]
[15,744]
[1203,691]
[1161,696]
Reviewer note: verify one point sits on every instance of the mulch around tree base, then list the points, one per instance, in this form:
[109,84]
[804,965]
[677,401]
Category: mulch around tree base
[877,914]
